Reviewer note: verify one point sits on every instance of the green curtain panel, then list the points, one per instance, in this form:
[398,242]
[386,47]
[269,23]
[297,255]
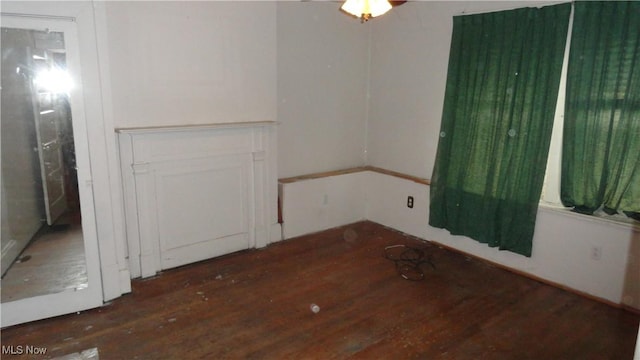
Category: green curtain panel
[601,138]
[502,86]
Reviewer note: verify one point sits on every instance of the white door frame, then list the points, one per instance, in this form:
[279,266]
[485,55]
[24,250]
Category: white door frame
[98,172]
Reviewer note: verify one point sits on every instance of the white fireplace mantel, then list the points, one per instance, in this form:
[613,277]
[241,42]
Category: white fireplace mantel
[197,191]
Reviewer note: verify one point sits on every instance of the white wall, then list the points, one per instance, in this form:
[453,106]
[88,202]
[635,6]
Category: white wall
[322,84]
[178,63]
[302,64]
[319,204]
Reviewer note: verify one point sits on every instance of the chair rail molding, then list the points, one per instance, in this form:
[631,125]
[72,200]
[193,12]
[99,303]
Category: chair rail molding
[197,191]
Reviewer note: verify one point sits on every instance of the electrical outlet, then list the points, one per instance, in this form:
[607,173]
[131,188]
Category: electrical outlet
[596,252]
[410,202]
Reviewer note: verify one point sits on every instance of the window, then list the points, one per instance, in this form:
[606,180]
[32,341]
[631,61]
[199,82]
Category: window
[504,71]
[601,141]
[504,78]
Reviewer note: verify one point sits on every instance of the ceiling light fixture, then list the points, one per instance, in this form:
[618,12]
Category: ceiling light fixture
[366,9]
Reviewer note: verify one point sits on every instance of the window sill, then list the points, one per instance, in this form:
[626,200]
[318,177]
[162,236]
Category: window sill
[602,217]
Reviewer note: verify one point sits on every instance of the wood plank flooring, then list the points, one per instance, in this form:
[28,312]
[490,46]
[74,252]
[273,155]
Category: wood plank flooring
[255,305]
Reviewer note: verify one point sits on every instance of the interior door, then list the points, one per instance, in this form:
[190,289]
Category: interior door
[90,293]
[49,110]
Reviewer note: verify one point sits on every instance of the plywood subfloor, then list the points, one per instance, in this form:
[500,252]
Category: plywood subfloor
[256,304]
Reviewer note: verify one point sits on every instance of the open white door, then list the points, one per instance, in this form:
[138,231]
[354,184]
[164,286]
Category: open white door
[49,111]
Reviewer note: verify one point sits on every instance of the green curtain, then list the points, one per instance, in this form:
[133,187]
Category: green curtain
[502,86]
[601,145]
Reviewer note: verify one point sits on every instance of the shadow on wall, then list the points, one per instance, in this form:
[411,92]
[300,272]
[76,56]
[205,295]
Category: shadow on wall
[631,290]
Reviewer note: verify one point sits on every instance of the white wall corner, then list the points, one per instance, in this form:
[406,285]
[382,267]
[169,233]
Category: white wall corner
[314,205]
[387,203]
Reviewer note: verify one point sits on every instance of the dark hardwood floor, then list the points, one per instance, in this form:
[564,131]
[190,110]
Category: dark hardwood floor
[256,304]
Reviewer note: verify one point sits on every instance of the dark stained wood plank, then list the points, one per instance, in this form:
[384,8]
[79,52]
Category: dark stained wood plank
[256,305]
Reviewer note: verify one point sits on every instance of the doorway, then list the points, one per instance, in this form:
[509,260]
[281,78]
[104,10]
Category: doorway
[42,243]
[50,260]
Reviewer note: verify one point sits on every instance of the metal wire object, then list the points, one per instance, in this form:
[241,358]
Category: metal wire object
[408,261]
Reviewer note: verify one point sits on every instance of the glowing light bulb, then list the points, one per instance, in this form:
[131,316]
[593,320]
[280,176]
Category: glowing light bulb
[365,9]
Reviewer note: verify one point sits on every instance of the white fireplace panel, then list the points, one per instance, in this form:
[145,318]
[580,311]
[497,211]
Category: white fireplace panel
[202,204]
[196,192]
